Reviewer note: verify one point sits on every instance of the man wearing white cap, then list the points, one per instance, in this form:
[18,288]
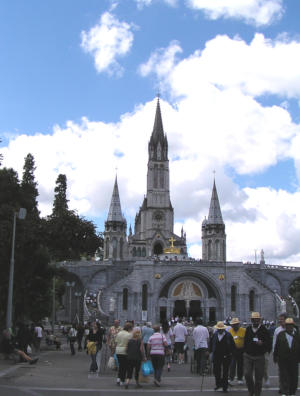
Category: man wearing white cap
[257,343]
[222,348]
[287,354]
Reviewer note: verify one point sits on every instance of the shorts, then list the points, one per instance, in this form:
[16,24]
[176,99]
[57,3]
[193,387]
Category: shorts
[179,347]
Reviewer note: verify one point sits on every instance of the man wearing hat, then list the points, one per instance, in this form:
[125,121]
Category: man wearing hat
[287,355]
[238,334]
[222,347]
[257,343]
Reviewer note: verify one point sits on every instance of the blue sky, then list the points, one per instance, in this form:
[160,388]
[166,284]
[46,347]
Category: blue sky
[78,87]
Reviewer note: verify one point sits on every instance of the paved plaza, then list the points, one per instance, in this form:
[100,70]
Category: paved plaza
[58,373]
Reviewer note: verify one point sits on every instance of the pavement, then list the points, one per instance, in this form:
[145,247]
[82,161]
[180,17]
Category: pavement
[58,373]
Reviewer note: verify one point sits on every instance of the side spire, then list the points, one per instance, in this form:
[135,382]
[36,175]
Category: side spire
[115,212]
[215,214]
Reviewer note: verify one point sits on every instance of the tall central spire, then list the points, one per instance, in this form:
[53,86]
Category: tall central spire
[158,129]
[115,212]
[215,215]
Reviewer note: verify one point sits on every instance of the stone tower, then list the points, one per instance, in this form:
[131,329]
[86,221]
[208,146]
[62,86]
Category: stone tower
[213,232]
[155,220]
[115,242]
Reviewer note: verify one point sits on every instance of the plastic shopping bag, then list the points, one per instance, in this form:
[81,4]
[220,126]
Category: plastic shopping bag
[147,368]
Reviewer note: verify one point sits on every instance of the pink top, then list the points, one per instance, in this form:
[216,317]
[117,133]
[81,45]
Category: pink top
[157,341]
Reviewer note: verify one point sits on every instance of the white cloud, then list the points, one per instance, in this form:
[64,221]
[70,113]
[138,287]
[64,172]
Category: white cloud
[146,3]
[256,12]
[216,123]
[107,41]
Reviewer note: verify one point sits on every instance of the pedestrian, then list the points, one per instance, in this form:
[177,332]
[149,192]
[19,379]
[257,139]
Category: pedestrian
[222,347]
[180,334]
[201,340]
[72,335]
[38,335]
[93,339]
[287,354]
[121,340]
[236,365]
[156,349]
[257,343]
[80,333]
[147,332]
[135,355]
[168,333]
[111,336]
[101,333]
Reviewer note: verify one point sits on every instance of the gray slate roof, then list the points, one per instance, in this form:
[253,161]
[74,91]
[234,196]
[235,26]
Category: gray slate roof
[115,212]
[215,215]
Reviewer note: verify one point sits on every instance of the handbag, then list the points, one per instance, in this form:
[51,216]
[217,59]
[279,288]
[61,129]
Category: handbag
[143,379]
[111,364]
[166,348]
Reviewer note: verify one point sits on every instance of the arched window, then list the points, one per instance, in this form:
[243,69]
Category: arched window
[209,250]
[134,251]
[121,248]
[155,179]
[125,299]
[107,248]
[144,297]
[144,252]
[158,248]
[161,177]
[233,298]
[115,245]
[138,253]
[251,301]
[217,244]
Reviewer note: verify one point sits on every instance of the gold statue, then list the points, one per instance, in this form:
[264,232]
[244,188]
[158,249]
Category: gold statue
[171,249]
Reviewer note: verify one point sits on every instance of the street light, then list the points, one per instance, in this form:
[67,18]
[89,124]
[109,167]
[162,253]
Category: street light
[21,215]
[70,285]
[78,295]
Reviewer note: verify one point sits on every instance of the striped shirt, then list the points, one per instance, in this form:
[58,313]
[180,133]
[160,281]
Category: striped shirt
[157,341]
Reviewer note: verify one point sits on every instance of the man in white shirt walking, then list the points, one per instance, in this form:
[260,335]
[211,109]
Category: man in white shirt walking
[180,334]
[201,339]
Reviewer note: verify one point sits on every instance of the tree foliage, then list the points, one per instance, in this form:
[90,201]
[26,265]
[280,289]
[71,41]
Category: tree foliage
[61,236]
[69,236]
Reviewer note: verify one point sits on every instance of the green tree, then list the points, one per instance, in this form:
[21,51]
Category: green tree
[69,236]
[32,275]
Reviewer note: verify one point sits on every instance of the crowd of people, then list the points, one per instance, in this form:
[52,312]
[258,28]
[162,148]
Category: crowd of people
[232,350]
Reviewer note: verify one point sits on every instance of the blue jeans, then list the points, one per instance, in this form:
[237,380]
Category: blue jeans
[94,366]
[158,364]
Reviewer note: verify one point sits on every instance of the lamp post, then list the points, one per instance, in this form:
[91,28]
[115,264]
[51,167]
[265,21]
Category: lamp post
[78,295]
[70,285]
[21,215]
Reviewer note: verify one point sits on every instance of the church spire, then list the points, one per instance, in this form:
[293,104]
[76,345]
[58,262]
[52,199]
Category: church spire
[158,129]
[115,212]
[215,215]
[158,144]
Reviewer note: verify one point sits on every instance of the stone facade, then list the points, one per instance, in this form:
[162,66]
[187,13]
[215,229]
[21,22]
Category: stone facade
[148,275]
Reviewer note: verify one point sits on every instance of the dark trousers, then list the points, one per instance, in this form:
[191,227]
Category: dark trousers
[256,365]
[122,359]
[158,362]
[237,365]
[94,365]
[79,342]
[200,356]
[288,375]
[133,364]
[221,368]
[72,348]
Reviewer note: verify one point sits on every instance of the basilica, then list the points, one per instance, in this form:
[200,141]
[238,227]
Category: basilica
[146,274]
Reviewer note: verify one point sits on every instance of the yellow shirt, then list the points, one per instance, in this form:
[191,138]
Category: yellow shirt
[238,336]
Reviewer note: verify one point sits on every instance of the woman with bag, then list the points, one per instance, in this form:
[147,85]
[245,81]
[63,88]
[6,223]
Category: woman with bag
[156,348]
[135,355]
[168,333]
[72,338]
[93,339]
